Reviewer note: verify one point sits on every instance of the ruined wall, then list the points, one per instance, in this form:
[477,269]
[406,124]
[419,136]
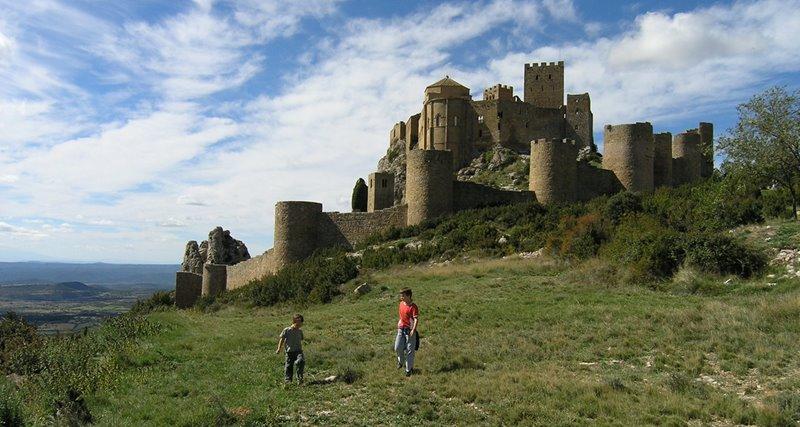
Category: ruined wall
[628,151]
[348,229]
[397,133]
[296,225]
[469,195]
[429,184]
[514,124]
[580,120]
[253,269]
[412,132]
[499,92]
[544,84]
[687,158]
[554,175]
[706,131]
[662,160]
[594,181]
[380,193]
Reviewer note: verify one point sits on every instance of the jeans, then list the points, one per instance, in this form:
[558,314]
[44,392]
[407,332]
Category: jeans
[404,346]
[294,358]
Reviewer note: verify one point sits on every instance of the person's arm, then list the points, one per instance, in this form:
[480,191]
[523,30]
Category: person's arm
[414,323]
[280,345]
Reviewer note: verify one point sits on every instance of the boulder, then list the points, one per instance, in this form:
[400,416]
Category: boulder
[220,248]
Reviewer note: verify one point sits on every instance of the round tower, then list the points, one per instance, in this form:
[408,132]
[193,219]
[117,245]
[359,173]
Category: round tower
[296,225]
[429,184]
[215,279]
[662,159]
[554,170]
[688,158]
[447,121]
[628,152]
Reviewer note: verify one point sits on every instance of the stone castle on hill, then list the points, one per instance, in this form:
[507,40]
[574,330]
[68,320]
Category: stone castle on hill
[450,131]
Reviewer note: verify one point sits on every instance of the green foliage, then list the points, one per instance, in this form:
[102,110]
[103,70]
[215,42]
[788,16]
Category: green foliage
[777,203]
[313,280]
[622,204]
[18,340]
[359,200]
[10,407]
[721,254]
[158,301]
[651,250]
[578,238]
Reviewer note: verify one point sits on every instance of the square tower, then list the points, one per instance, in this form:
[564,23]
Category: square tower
[499,92]
[380,194]
[544,84]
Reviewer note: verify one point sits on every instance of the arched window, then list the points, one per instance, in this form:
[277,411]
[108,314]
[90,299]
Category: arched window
[437,120]
[480,119]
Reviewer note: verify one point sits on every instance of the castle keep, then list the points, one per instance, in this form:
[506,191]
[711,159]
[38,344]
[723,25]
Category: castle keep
[451,130]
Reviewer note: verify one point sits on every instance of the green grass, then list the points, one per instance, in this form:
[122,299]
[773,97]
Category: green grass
[505,342]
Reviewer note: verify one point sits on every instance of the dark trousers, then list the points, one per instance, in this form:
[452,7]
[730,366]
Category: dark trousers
[294,358]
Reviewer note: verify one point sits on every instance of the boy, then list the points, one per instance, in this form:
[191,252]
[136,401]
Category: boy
[292,337]
[405,343]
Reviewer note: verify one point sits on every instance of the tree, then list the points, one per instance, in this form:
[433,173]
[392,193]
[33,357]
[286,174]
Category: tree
[765,144]
[359,200]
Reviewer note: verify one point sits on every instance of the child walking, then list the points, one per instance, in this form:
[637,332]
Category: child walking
[292,337]
[406,341]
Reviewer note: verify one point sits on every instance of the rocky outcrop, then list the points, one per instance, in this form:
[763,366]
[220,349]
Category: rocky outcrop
[395,162]
[220,248]
[498,167]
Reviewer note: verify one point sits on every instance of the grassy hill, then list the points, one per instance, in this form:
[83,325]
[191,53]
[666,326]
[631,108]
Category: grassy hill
[505,341]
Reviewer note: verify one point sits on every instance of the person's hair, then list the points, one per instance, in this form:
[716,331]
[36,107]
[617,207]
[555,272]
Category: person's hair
[405,291]
[297,317]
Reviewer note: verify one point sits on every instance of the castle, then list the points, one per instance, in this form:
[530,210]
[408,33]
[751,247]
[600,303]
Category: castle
[448,133]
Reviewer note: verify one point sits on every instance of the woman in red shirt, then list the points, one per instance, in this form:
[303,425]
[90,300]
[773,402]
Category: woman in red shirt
[406,340]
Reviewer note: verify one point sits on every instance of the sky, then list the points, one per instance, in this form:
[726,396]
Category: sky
[130,127]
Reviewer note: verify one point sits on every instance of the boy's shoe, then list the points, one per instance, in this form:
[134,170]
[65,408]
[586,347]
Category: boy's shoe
[300,381]
[408,373]
[399,364]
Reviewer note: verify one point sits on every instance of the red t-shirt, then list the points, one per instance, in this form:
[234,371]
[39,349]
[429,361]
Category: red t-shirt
[407,312]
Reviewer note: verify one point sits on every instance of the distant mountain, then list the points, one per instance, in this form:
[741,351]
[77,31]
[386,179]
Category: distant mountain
[67,291]
[160,275]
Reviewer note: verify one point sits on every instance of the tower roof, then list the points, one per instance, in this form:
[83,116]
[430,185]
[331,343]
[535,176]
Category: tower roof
[447,81]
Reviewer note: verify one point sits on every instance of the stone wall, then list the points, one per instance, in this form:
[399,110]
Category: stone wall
[348,229]
[687,161]
[580,120]
[662,159]
[594,181]
[429,184]
[296,225]
[470,195]
[553,175]
[514,124]
[252,269]
[380,194]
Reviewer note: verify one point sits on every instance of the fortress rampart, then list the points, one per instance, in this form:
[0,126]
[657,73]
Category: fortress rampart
[662,159]
[687,163]
[554,170]
[629,153]
[429,184]
[296,227]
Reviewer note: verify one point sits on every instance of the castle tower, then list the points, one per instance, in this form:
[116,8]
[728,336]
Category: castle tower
[662,160]
[706,131]
[554,170]
[499,93]
[580,120]
[380,193]
[447,120]
[397,133]
[296,226]
[429,184]
[688,158]
[544,84]
[629,154]
[412,132]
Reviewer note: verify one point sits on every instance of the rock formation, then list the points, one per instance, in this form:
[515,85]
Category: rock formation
[220,248]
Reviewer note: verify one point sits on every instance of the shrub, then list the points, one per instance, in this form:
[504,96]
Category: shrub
[776,203]
[18,344]
[578,238]
[157,301]
[648,248]
[10,407]
[721,254]
[622,204]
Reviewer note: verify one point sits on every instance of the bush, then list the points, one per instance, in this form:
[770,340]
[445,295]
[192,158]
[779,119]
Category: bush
[648,248]
[720,254]
[578,238]
[18,344]
[157,301]
[776,203]
[622,204]
[10,407]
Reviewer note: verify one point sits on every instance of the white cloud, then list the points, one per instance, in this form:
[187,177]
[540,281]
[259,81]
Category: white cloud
[561,9]
[15,231]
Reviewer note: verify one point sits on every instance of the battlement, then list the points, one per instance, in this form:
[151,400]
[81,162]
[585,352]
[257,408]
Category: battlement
[565,141]
[639,132]
[499,92]
[544,84]
[544,64]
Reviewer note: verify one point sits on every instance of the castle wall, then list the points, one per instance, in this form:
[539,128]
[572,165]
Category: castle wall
[470,195]
[429,184]
[254,268]
[514,124]
[349,229]
[580,120]
[188,288]
[412,132]
[380,193]
[662,159]
[215,279]
[706,131]
[554,175]
[629,153]
[687,162]
[296,225]
[594,182]
[544,84]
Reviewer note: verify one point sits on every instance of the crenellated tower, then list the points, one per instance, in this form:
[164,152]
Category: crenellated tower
[544,84]
[580,120]
[628,151]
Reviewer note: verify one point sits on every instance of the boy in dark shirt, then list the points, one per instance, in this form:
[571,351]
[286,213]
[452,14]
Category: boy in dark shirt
[292,337]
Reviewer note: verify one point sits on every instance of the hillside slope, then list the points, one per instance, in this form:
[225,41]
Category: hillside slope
[505,341]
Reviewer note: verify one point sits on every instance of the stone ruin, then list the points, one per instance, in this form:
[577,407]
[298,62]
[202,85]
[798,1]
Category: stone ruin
[220,248]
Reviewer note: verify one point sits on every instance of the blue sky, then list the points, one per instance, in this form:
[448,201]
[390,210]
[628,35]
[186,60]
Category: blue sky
[130,127]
